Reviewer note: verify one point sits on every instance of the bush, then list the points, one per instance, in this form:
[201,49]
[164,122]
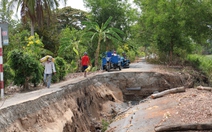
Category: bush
[61,69]
[73,67]
[105,125]
[202,63]
[27,68]
[93,69]
[131,56]
[195,60]
[8,74]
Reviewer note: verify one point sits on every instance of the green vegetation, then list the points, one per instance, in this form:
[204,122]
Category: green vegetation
[202,63]
[61,68]
[8,74]
[102,33]
[27,69]
[105,125]
[172,30]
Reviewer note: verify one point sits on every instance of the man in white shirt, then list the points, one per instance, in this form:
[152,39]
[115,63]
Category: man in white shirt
[49,69]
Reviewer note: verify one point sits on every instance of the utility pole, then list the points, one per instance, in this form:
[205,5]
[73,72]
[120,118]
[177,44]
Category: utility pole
[1,67]
[4,40]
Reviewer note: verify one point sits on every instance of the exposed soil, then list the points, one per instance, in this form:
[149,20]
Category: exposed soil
[192,106]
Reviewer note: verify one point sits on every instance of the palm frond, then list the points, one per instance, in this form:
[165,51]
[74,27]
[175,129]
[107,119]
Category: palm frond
[105,25]
[65,44]
[93,36]
[117,30]
[113,33]
[112,38]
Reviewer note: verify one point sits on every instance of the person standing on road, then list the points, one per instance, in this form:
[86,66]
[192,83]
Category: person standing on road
[85,62]
[49,69]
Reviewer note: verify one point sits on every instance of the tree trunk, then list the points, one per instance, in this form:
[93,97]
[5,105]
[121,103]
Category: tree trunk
[173,90]
[32,28]
[97,53]
[26,84]
[184,127]
[204,88]
[171,53]
[145,51]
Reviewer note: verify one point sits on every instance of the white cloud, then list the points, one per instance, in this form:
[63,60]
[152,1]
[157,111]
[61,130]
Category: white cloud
[77,4]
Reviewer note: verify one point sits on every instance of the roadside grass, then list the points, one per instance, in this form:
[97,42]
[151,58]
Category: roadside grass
[105,125]
[202,63]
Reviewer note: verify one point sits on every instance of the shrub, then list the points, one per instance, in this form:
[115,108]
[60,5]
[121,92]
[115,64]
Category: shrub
[195,60]
[93,69]
[8,74]
[131,56]
[105,125]
[27,68]
[61,69]
[202,63]
[73,66]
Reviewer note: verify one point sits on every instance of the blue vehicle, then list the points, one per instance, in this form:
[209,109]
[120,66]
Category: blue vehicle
[125,63]
[112,62]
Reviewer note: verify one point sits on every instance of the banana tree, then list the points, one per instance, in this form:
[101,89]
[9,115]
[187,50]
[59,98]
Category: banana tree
[102,33]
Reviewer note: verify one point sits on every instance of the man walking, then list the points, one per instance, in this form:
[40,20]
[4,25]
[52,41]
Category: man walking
[49,69]
[85,62]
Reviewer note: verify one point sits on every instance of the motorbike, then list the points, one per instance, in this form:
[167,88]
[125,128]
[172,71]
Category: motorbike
[111,63]
[125,63]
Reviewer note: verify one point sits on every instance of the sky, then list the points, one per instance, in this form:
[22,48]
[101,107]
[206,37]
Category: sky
[77,4]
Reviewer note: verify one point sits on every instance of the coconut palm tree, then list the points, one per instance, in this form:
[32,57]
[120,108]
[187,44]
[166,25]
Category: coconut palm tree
[102,32]
[5,14]
[34,10]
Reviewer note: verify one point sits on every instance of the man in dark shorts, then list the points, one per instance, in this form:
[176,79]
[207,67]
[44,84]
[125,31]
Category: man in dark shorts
[85,62]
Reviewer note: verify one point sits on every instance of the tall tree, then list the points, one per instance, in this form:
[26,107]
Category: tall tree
[34,10]
[102,32]
[173,25]
[66,17]
[70,17]
[121,11]
[70,44]
[198,16]
[5,13]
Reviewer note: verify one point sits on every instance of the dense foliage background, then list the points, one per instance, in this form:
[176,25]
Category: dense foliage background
[170,30]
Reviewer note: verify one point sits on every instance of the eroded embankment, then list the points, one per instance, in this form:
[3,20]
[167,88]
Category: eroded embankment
[83,105]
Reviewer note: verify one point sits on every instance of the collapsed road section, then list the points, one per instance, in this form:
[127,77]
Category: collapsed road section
[82,105]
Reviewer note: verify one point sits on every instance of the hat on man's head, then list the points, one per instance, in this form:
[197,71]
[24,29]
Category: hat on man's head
[85,53]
